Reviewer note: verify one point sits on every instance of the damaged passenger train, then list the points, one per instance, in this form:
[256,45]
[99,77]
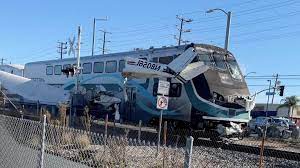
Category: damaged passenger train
[206,85]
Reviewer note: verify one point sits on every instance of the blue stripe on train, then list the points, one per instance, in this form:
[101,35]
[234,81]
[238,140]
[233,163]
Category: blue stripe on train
[209,109]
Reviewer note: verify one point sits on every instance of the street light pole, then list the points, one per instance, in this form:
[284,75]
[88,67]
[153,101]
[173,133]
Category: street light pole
[93,42]
[249,74]
[228,14]
[267,108]
[94,30]
[227,30]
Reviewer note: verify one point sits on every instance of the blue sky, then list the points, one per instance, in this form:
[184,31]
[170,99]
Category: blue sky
[265,34]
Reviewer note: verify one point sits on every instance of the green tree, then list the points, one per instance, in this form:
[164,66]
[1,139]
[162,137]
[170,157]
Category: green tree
[290,102]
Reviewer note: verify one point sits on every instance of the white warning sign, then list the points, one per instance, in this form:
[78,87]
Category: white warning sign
[162,102]
[163,87]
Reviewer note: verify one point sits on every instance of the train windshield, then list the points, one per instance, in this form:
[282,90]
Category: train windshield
[219,61]
[234,69]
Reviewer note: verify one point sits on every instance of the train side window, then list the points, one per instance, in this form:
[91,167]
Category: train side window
[57,69]
[98,67]
[87,68]
[143,58]
[175,89]
[219,61]
[49,70]
[121,65]
[165,60]
[155,59]
[111,66]
[66,66]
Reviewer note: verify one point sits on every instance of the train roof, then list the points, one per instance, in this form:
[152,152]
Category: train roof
[139,52]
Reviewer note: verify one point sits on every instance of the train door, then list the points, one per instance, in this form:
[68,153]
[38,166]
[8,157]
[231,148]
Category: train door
[130,105]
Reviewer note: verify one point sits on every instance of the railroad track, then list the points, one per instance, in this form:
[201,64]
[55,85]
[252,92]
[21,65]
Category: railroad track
[249,149]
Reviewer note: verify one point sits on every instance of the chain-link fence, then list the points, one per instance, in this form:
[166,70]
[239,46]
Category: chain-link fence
[22,145]
[119,145]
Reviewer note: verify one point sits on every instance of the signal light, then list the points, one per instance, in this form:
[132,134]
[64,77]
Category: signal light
[281,90]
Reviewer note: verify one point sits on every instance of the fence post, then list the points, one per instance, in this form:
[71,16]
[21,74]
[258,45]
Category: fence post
[105,131]
[41,161]
[37,107]
[188,152]
[140,130]
[261,157]
[165,133]
[165,142]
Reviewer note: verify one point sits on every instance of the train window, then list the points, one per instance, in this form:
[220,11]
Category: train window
[219,61]
[175,89]
[98,67]
[87,68]
[57,69]
[206,58]
[49,70]
[143,58]
[176,55]
[234,69]
[155,59]
[66,66]
[121,65]
[111,66]
[165,60]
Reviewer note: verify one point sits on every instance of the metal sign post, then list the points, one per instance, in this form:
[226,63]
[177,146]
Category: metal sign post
[162,104]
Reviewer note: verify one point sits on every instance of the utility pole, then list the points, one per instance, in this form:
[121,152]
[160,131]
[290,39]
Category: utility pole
[62,46]
[104,40]
[275,85]
[267,108]
[2,61]
[180,29]
[94,29]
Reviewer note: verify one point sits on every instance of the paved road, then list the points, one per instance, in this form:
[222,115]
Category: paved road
[14,155]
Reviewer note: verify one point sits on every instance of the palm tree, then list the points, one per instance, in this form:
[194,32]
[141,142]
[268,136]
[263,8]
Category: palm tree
[290,102]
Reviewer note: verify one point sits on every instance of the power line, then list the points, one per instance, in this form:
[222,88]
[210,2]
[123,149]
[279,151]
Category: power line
[253,22]
[253,85]
[247,12]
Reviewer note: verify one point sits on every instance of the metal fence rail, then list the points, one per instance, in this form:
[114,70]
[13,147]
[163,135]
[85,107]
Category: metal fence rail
[26,143]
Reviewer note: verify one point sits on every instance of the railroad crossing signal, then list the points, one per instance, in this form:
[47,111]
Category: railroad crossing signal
[281,90]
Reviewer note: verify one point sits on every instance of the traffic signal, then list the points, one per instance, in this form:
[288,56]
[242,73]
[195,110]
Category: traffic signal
[281,90]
